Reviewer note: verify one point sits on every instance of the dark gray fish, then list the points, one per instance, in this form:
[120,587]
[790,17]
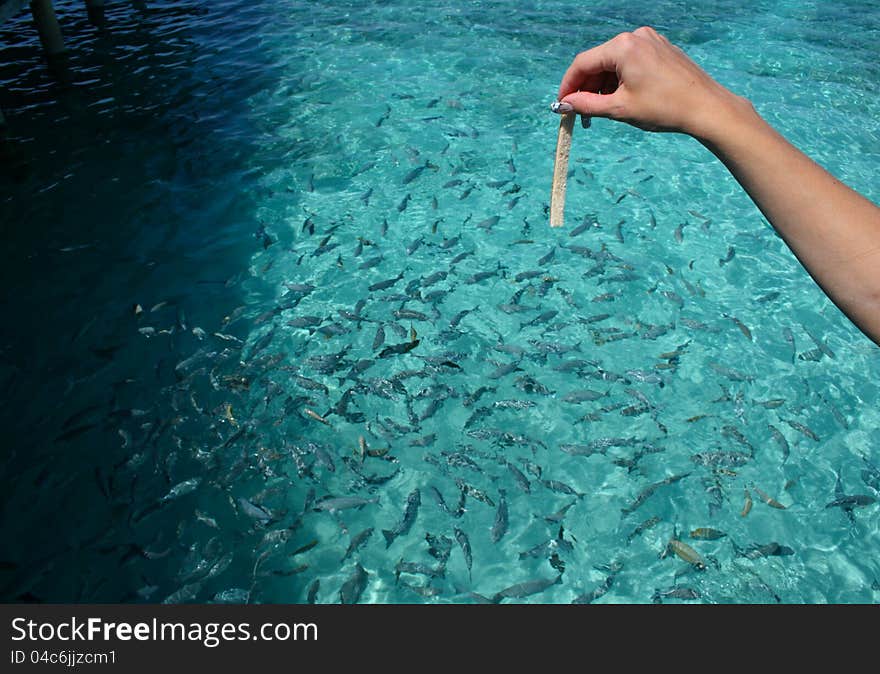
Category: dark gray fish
[526,275]
[781,441]
[255,511]
[424,441]
[387,283]
[822,346]
[431,279]
[353,588]
[577,397]
[495,184]
[439,547]
[465,545]
[543,317]
[379,339]
[334,505]
[460,316]
[503,370]
[675,592]
[312,595]
[560,487]
[410,314]
[364,167]
[415,173]
[473,492]
[526,589]
[559,515]
[649,523]
[499,527]
[417,568]
[401,207]
[756,551]
[803,429]
[476,395]
[547,257]
[410,513]
[721,459]
[482,275]
[371,262]
[852,501]
[731,252]
[397,349]
[305,321]
[489,222]
[357,542]
[581,228]
[648,491]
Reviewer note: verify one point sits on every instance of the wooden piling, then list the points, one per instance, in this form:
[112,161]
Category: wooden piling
[47,26]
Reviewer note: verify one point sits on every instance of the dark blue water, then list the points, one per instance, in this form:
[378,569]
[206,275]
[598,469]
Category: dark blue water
[196,201]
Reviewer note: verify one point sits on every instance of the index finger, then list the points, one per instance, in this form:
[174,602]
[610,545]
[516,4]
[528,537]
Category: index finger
[585,72]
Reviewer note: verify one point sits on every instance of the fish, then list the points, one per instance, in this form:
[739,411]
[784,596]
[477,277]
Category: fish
[397,349]
[688,554]
[504,369]
[600,591]
[559,515]
[353,588]
[822,346]
[401,207]
[410,513]
[707,534]
[547,257]
[334,505]
[254,511]
[675,592]
[648,491]
[416,172]
[731,252]
[583,396]
[781,441]
[757,551]
[649,523]
[803,429]
[519,478]
[387,283]
[314,415]
[439,547]
[409,314]
[852,501]
[747,505]
[473,492]
[526,589]
[464,543]
[560,487]
[499,527]
[543,317]
[357,542]
[489,222]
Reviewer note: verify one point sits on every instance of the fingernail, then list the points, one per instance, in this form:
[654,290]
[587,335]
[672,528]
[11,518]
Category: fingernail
[561,107]
[585,121]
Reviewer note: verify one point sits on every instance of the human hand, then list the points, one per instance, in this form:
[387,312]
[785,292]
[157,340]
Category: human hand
[643,79]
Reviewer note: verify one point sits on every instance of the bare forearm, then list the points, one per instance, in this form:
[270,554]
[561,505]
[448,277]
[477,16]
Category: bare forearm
[833,230]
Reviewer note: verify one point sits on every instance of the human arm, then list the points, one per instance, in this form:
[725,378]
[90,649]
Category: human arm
[642,79]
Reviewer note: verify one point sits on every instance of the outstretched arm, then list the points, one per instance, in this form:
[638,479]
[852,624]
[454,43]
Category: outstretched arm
[642,79]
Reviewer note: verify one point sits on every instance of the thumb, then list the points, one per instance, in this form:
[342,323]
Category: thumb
[592,104]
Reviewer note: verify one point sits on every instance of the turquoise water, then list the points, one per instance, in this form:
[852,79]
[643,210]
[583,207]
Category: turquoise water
[190,201]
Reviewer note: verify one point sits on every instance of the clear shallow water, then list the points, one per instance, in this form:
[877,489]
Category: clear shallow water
[194,160]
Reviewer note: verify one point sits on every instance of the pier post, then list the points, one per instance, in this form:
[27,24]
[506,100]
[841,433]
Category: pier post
[96,12]
[47,25]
